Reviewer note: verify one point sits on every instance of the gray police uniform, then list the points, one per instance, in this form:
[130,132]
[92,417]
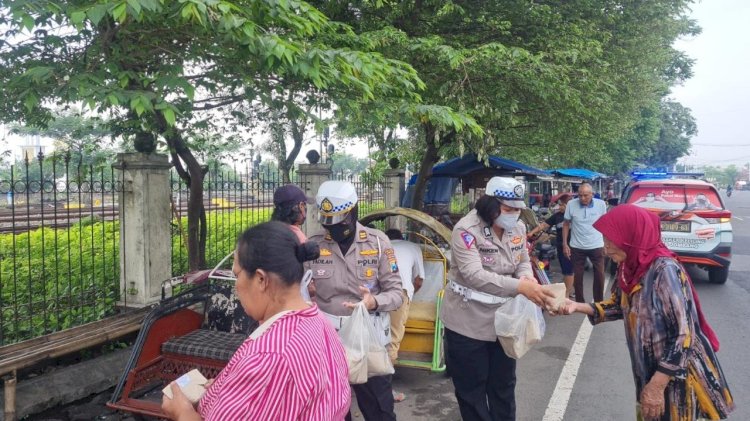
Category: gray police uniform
[484,263]
[484,377]
[369,262]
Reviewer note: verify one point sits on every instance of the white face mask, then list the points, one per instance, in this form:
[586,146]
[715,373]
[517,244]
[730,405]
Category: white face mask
[507,221]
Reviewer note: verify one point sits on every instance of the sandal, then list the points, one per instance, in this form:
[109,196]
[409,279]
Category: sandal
[398,396]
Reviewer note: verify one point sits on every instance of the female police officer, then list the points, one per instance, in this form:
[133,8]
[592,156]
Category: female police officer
[356,264]
[489,263]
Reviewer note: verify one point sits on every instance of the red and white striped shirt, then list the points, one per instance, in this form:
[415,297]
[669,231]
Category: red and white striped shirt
[295,369]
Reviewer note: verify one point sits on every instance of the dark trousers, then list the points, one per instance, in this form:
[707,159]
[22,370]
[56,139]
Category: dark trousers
[483,376]
[375,399]
[578,256]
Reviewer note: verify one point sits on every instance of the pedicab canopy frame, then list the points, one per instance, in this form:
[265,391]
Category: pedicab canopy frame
[422,345]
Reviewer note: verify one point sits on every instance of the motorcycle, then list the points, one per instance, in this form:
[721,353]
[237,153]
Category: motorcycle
[541,254]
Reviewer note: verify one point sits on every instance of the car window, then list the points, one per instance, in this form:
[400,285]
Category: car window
[671,197]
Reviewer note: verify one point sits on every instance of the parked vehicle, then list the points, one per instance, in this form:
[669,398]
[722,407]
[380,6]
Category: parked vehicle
[542,253]
[422,345]
[695,224]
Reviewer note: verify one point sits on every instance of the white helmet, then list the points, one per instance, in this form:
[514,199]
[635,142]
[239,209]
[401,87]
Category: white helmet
[509,190]
[335,200]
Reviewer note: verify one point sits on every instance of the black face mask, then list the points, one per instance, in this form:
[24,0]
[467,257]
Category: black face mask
[340,231]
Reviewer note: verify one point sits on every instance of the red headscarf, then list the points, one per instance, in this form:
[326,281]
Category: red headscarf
[638,233]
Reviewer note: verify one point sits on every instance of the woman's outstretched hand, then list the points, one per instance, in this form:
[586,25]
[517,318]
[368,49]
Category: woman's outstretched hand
[568,308]
[531,289]
[571,307]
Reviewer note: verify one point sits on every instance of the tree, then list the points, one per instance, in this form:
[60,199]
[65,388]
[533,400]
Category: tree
[677,127]
[558,80]
[182,72]
[348,164]
[88,140]
[732,174]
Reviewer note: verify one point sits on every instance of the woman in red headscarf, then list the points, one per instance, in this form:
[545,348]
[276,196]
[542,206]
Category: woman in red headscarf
[672,347]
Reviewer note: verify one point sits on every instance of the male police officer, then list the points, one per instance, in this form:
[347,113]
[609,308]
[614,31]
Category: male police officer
[489,264]
[356,264]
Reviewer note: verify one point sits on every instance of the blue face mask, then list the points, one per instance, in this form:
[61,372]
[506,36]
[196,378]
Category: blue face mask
[507,221]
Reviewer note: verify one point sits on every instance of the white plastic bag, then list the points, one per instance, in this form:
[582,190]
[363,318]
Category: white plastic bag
[364,353]
[304,285]
[519,324]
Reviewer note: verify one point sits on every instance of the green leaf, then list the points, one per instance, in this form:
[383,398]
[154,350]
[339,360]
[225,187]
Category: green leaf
[96,13]
[120,12]
[112,98]
[169,116]
[135,5]
[30,101]
[28,22]
[76,18]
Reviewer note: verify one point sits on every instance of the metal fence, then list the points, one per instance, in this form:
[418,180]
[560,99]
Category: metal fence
[370,190]
[238,198]
[234,199]
[59,245]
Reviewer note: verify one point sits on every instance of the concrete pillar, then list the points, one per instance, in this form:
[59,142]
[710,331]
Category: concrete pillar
[145,227]
[311,176]
[395,187]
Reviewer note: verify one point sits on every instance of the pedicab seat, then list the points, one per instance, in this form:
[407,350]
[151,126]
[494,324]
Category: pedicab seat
[203,343]
[421,317]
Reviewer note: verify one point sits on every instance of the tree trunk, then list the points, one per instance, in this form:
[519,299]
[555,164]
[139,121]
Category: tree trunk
[196,214]
[298,135]
[193,174]
[425,167]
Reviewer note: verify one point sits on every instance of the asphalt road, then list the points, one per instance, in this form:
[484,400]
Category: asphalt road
[594,381]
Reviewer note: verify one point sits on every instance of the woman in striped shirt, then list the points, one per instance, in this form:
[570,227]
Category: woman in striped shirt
[293,366]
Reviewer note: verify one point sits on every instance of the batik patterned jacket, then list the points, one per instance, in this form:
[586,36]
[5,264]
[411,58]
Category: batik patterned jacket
[663,334]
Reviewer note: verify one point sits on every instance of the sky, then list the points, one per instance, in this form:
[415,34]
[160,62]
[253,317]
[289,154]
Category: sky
[719,91]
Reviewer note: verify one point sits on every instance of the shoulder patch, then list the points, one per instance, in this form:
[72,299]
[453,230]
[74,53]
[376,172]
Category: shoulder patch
[325,252]
[394,267]
[363,235]
[468,239]
[369,252]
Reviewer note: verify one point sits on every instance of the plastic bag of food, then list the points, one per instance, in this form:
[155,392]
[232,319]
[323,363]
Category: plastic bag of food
[355,337]
[519,324]
[366,356]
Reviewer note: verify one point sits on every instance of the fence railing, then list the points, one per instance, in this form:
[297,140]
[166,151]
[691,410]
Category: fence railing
[59,245]
[234,199]
[238,198]
[370,190]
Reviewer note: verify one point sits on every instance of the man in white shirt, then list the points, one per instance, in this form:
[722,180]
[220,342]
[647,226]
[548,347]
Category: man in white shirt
[411,269]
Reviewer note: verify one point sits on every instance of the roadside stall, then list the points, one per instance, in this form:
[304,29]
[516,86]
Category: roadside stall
[456,184]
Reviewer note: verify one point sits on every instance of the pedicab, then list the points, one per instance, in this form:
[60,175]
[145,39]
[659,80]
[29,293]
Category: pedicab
[198,324]
[422,345]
